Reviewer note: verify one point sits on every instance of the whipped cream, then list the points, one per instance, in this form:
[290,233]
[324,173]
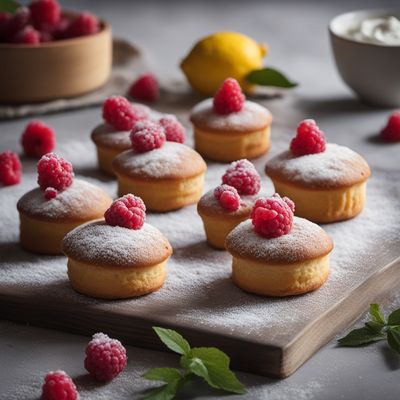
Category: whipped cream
[384,31]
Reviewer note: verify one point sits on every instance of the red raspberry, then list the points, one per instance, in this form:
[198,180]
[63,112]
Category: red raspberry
[174,130]
[85,24]
[10,168]
[27,35]
[145,88]
[309,139]
[147,136]
[45,13]
[105,358]
[60,30]
[391,132]
[54,172]
[5,18]
[128,211]
[58,386]
[18,21]
[38,139]
[228,197]
[50,193]
[243,177]
[229,97]
[121,114]
[273,216]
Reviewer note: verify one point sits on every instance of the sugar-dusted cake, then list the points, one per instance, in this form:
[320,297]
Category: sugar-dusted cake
[276,254]
[119,257]
[326,181]
[228,127]
[57,206]
[166,175]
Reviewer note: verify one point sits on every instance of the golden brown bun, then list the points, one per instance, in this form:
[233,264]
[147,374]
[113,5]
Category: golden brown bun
[44,223]
[113,262]
[287,265]
[337,167]
[245,134]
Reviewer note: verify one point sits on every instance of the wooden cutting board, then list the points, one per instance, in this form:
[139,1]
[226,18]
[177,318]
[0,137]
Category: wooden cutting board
[266,336]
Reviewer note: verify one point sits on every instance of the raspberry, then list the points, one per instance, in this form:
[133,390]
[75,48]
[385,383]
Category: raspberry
[60,30]
[50,193]
[58,386]
[228,197]
[121,114]
[174,130]
[273,216]
[54,172]
[18,21]
[147,136]
[105,357]
[10,168]
[45,13]
[309,139]
[5,18]
[128,211]
[85,24]
[145,88]
[243,177]
[27,35]
[229,97]
[38,139]
[391,132]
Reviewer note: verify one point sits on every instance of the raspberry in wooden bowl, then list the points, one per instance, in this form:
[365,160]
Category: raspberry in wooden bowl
[66,55]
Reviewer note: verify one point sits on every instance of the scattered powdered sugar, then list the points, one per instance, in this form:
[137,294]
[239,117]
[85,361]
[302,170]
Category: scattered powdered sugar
[169,161]
[253,116]
[305,240]
[102,244]
[336,166]
[74,202]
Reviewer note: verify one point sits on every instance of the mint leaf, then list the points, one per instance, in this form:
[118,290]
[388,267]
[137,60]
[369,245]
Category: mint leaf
[164,392]
[393,339]
[359,337]
[163,374]
[212,365]
[375,327]
[269,77]
[394,317]
[376,314]
[9,6]
[173,340]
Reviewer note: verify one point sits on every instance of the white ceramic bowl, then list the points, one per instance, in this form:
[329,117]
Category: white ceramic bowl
[372,71]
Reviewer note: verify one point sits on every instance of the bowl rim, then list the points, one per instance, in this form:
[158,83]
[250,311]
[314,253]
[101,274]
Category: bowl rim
[367,11]
[105,27]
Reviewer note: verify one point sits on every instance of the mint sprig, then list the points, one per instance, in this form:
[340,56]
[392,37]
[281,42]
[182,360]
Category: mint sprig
[269,77]
[9,6]
[208,363]
[375,330]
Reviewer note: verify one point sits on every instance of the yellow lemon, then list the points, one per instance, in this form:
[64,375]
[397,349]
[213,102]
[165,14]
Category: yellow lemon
[220,56]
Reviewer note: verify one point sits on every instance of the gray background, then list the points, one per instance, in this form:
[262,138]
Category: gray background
[296,33]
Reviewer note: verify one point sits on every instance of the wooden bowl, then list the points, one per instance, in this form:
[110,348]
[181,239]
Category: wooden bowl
[54,70]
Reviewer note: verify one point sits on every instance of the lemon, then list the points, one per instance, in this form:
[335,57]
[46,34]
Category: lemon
[220,56]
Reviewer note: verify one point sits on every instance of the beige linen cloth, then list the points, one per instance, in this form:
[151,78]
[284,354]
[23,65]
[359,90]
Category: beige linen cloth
[129,61]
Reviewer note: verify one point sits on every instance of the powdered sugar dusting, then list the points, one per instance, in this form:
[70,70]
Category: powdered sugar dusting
[80,200]
[336,166]
[169,161]
[253,116]
[305,240]
[102,244]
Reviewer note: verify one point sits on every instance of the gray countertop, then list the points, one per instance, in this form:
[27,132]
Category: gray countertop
[297,37]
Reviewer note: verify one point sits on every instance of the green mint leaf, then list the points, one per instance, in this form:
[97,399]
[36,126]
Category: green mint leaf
[359,337]
[393,339]
[375,327]
[394,318]
[9,6]
[269,77]
[173,340]
[376,314]
[164,392]
[212,365]
[163,374]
